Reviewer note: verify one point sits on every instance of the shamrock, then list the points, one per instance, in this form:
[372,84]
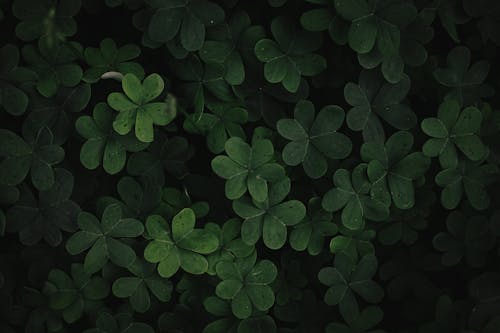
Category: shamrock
[12,77]
[135,106]
[351,195]
[411,51]
[465,80]
[56,113]
[290,55]
[163,154]
[37,154]
[325,19]
[201,81]
[246,283]
[137,288]
[367,319]
[186,18]
[467,238]
[247,168]
[55,66]
[269,219]
[378,25]
[108,57]
[231,246]
[72,295]
[346,279]
[310,234]
[314,139]
[454,128]
[354,243]
[404,225]
[173,201]
[50,20]
[104,146]
[138,199]
[221,308]
[392,169]
[224,45]
[469,177]
[373,99]
[223,121]
[450,13]
[100,238]
[46,216]
[120,323]
[178,245]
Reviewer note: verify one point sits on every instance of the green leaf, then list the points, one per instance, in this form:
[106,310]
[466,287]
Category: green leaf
[312,138]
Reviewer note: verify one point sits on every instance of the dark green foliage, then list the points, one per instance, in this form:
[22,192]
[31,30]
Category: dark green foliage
[230,166]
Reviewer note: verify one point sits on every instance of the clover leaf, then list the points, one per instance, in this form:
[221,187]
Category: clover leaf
[104,146]
[373,99]
[231,246]
[467,238]
[101,239]
[351,195]
[310,234]
[138,199]
[392,169]
[354,243]
[57,112]
[325,19]
[173,201]
[201,81]
[346,279]
[404,225]
[454,128]
[37,154]
[136,108]
[246,283]
[465,80]
[178,245]
[137,288]
[269,219]
[12,78]
[120,323]
[247,168]
[412,52]
[290,55]
[109,57]
[469,177]
[450,13]
[49,20]
[222,122]
[55,66]
[377,25]
[224,46]
[75,294]
[44,217]
[314,139]
[187,19]
[163,154]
